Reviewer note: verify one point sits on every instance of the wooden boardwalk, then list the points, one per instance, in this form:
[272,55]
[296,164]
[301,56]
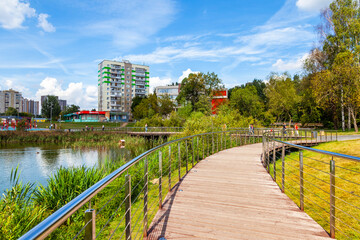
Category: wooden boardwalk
[229,195]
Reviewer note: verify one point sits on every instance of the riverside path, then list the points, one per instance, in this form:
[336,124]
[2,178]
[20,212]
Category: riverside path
[229,195]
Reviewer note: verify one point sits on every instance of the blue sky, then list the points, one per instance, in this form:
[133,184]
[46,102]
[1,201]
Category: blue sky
[53,47]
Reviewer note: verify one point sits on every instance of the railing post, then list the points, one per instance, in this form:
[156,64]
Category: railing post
[128,207]
[325,136]
[283,168]
[90,229]
[146,180]
[268,154]
[208,144]
[230,140]
[192,146]
[179,154]
[160,179]
[301,180]
[274,159]
[187,156]
[197,148]
[222,141]
[332,198]
[212,143]
[217,142]
[203,140]
[170,167]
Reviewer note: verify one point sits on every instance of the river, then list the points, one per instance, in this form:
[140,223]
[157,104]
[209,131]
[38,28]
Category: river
[37,163]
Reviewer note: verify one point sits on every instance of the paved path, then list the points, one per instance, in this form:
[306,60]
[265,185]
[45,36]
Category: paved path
[229,195]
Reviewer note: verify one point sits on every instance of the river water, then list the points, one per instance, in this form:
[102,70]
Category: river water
[37,163]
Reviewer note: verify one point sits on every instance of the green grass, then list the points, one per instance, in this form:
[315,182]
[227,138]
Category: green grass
[317,187]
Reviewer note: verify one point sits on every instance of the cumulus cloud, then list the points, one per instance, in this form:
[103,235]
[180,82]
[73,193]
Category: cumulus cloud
[75,93]
[296,64]
[185,74]
[157,81]
[44,24]
[13,13]
[312,5]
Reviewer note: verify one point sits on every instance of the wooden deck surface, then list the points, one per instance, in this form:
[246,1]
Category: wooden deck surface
[229,195]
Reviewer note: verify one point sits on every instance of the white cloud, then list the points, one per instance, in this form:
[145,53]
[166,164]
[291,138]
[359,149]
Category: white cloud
[185,74]
[14,12]
[157,81]
[6,83]
[312,5]
[75,93]
[296,64]
[44,24]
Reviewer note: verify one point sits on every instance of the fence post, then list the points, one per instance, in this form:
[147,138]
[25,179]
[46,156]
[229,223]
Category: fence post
[283,168]
[179,153]
[146,179]
[222,141]
[217,142]
[332,198]
[192,146]
[268,154]
[128,207]
[274,159]
[208,145]
[90,229]
[170,167]
[203,140]
[187,156]
[160,179]
[197,148]
[301,180]
[212,143]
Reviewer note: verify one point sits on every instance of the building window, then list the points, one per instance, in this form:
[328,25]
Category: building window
[127,77]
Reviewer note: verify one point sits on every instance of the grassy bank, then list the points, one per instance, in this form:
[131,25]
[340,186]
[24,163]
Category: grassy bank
[317,186]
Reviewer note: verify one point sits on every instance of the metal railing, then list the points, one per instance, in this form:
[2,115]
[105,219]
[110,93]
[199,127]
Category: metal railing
[124,129]
[324,184]
[123,204]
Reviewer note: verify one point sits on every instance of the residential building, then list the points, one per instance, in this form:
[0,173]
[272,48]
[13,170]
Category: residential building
[62,103]
[118,83]
[172,90]
[10,98]
[30,106]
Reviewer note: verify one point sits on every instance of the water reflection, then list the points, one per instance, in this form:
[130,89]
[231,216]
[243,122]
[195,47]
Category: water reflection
[37,163]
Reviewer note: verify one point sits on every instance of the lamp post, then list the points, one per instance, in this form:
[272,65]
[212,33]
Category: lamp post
[51,107]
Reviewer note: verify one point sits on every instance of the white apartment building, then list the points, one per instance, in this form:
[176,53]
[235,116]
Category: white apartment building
[118,83]
[171,90]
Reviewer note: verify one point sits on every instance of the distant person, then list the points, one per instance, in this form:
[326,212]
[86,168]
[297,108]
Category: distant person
[146,127]
[296,127]
[284,129]
[252,129]
[103,127]
[92,129]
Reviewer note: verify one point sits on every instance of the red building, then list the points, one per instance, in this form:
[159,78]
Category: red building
[219,97]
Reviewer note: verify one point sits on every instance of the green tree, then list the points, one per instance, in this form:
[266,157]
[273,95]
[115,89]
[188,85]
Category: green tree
[147,108]
[283,97]
[334,72]
[11,112]
[247,101]
[50,107]
[136,101]
[197,84]
[166,105]
[203,105]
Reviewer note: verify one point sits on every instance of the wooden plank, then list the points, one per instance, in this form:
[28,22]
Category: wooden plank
[229,195]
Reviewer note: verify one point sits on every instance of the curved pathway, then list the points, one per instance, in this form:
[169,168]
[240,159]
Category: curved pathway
[229,195]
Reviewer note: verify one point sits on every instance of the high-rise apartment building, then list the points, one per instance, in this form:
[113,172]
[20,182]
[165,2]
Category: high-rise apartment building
[10,98]
[62,103]
[118,83]
[30,106]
